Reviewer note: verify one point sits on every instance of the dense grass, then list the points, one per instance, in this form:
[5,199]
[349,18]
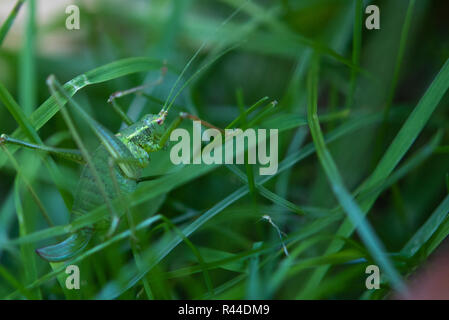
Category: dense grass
[363,148]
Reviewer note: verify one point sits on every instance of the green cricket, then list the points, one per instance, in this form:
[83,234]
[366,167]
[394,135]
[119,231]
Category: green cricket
[115,167]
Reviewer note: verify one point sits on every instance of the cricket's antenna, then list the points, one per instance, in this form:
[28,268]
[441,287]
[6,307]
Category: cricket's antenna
[167,104]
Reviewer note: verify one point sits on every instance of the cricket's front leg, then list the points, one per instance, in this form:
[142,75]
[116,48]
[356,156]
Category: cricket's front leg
[177,122]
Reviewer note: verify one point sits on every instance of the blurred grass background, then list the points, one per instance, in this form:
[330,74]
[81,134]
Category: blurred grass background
[367,84]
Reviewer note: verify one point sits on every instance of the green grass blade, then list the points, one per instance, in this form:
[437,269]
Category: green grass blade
[356,49]
[168,104]
[355,214]
[28,185]
[248,167]
[435,240]
[412,127]
[396,73]
[28,256]
[31,134]
[10,20]
[396,151]
[27,66]
[255,288]
[415,160]
[427,230]
[283,32]
[6,275]
[18,114]
[399,58]
[267,193]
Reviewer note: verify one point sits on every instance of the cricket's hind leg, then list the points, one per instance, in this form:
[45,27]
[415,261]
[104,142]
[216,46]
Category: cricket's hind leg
[67,249]
[76,242]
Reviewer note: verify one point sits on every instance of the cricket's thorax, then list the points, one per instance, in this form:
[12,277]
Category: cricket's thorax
[142,137]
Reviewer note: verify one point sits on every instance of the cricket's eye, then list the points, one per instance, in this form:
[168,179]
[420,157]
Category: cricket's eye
[148,119]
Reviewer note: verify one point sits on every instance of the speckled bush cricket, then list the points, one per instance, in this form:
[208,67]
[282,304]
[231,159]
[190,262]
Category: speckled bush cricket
[115,167]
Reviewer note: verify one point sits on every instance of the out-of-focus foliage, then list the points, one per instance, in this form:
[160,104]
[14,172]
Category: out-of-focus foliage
[378,151]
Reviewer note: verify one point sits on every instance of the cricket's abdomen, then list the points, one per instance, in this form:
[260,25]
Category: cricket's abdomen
[88,196]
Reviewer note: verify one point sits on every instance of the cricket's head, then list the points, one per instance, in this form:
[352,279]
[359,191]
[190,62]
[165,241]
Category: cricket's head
[154,122]
[148,132]
[144,136]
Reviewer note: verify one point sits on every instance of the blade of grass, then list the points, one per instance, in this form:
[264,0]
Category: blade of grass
[27,252]
[27,67]
[223,263]
[31,134]
[355,214]
[447,182]
[247,112]
[415,160]
[167,103]
[10,20]
[396,73]
[356,49]
[283,32]
[28,185]
[5,274]
[399,59]
[195,251]
[411,128]
[7,215]
[248,167]
[282,271]
[267,193]
[255,288]
[435,240]
[396,151]
[283,180]
[427,230]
